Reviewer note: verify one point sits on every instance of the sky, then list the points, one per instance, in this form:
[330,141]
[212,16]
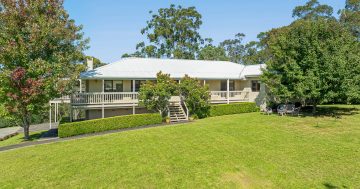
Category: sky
[113,26]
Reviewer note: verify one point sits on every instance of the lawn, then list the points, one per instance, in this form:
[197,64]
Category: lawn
[17,139]
[237,151]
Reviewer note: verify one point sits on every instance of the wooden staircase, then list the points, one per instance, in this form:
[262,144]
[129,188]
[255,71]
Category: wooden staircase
[177,113]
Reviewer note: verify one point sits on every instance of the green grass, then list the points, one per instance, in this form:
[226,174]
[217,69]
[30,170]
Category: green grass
[17,139]
[235,151]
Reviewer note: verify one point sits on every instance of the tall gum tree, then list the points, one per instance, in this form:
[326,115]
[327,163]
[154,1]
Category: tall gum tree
[171,32]
[40,47]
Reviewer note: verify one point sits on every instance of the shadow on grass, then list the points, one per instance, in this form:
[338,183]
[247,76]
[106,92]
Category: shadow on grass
[335,111]
[331,111]
[331,186]
[34,136]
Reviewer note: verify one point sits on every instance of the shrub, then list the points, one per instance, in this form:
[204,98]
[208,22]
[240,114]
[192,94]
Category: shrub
[156,95]
[237,108]
[196,96]
[6,120]
[112,123]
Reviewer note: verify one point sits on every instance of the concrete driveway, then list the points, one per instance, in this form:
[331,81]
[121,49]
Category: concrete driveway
[4,132]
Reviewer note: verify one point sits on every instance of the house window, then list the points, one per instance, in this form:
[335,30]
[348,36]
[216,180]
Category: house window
[108,85]
[231,85]
[118,86]
[138,83]
[113,86]
[255,86]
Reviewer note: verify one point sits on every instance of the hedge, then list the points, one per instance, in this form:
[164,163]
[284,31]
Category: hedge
[112,123]
[236,108]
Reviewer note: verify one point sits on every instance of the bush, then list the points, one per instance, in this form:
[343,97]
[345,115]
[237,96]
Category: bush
[196,96]
[112,123]
[6,120]
[237,108]
[155,96]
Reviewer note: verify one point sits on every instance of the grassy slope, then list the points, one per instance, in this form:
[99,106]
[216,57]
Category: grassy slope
[17,139]
[248,151]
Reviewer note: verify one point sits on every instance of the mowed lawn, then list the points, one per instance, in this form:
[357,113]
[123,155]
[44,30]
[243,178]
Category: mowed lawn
[237,151]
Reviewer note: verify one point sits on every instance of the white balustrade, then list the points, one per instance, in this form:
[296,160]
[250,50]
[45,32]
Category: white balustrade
[105,98]
[220,96]
[132,97]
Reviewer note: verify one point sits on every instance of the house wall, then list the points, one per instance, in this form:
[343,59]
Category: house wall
[93,86]
[243,85]
[97,113]
[214,85]
[127,85]
[96,86]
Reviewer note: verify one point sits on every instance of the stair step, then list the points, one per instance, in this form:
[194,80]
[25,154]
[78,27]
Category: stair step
[176,112]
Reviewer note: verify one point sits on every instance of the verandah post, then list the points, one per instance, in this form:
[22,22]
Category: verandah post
[133,86]
[102,99]
[50,115]
[228,91]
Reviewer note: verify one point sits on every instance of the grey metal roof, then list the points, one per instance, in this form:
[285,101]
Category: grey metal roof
[147,68]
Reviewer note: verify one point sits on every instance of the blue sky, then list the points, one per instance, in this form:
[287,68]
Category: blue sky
[113,26]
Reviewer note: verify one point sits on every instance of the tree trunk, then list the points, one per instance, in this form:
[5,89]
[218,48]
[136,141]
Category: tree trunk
[26,132]
[26,126]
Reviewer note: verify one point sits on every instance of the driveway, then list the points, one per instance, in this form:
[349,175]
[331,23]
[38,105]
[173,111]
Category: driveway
[4,132]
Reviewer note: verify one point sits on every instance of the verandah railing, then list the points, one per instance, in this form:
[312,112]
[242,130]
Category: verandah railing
[233,95]
[104,98]
[132,97]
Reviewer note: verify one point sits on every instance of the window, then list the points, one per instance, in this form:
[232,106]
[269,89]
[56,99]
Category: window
[255,86]
[113,86]
[118,86]
[108,85]
[138,83]
[231,85]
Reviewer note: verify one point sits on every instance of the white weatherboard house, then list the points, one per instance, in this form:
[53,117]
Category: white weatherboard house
[112,90]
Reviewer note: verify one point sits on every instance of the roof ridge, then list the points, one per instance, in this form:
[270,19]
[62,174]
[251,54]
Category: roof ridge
[175,59]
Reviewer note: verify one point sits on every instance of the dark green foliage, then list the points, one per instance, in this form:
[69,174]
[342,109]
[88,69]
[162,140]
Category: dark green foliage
[172,32]
[234,48]
[313,61]
[196,96]
[156,95]
[236,51]
[313,10]
[112,123]
[6,120]
[39,46]
[211,52]
[236,108]
[350,16]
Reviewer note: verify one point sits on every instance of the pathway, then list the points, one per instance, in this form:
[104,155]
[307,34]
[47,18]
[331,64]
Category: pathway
[8,131]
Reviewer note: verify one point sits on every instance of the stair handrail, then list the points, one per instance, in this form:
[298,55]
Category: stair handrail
[168,110]
[187,110]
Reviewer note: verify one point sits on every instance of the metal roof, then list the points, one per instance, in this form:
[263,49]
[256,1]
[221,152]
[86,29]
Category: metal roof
[147,68]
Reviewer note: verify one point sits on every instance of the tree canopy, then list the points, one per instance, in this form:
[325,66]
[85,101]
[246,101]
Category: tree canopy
[312,61]
[39,47]
[173,33]
[350,16]
[211,52]
[156,95]
[313,10]
[196,96]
